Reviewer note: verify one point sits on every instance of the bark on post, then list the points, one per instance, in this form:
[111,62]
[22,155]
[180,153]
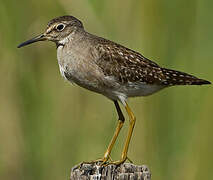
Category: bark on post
[126,171]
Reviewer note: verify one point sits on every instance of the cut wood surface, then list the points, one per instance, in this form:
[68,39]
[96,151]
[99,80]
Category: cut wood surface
[94,171]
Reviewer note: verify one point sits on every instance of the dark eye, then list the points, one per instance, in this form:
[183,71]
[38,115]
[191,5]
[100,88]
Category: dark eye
[60,27]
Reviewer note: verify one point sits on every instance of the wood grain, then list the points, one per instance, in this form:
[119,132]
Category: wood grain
[126,171]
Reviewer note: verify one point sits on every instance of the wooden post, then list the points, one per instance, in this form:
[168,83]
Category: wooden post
[94,171]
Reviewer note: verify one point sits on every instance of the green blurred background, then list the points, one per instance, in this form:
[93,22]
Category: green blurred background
[47,126]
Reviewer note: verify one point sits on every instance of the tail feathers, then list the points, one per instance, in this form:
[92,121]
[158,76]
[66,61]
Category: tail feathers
[200,82]
[173,77]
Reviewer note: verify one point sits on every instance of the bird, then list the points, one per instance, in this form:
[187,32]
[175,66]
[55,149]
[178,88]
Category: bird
[110,69]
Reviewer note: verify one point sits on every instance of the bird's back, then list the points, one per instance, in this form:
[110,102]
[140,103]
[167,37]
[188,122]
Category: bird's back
[129,66]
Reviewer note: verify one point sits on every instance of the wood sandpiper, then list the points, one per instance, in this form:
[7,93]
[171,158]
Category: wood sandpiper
[108,68]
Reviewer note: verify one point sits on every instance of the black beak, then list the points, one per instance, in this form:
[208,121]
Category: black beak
[33,40]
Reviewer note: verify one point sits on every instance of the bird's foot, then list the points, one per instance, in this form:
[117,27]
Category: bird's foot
[106,161]
[121,161]
[101,161]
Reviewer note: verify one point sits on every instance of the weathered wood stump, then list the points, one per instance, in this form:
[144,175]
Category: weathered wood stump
[126,171]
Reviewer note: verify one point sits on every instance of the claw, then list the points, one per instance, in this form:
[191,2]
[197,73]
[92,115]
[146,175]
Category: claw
[117,162]
[104,161]
[100,160]
[129,160]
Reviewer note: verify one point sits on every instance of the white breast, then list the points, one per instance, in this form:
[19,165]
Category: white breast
[60,61]
[62,71]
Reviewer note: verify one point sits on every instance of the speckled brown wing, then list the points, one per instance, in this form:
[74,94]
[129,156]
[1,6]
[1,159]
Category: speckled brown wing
[128,66]
[174,77]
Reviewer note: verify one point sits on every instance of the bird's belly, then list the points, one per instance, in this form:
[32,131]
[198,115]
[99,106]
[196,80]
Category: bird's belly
[140,89]
[81,78]
[91,83]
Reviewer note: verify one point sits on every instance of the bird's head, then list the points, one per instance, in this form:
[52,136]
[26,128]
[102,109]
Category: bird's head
[57,30]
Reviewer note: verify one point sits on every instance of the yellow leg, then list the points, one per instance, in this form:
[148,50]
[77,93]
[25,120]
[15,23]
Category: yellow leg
[117,131]
[109,149]
[132,120]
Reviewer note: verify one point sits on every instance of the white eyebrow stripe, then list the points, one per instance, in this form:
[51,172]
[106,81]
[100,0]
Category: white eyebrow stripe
[49,29]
